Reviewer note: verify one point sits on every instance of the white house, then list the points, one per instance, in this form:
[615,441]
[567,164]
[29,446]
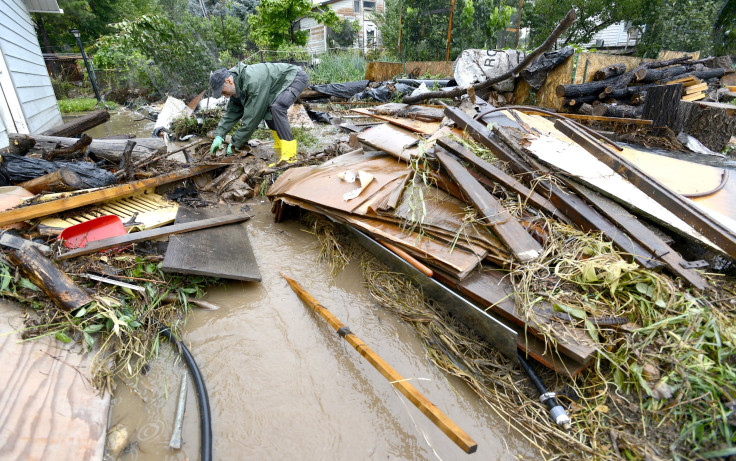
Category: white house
[355,10]
[27,101]
[619,36]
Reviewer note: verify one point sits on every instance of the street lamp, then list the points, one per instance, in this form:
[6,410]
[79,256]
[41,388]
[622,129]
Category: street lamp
[76,34]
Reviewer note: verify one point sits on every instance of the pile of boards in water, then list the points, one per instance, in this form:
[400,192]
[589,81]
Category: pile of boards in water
[416,188]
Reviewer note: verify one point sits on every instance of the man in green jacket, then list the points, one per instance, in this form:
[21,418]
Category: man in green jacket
[258,92]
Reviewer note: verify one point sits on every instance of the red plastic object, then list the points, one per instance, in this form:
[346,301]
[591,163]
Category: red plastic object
[100,228]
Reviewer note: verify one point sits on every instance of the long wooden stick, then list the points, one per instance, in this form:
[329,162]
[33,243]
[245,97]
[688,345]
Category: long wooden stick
[435,415]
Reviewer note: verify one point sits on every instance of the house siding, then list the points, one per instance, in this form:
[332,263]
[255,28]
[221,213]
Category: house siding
[614,35]
[344,10]
[4,141]
[27,76]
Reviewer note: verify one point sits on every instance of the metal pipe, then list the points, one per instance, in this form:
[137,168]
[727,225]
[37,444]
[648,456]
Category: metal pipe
[449,30]
[175,441]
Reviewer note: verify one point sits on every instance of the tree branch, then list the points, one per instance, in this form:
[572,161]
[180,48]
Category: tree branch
[566,22]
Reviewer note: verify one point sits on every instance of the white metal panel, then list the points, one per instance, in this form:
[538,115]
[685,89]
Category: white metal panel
[43,6]
[4,141]
[26,81]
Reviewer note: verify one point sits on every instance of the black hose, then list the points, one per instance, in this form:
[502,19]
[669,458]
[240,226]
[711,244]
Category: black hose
[205,420]
[556,411]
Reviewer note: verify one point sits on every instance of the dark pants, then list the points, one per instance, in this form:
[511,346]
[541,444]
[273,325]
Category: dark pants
[280,122]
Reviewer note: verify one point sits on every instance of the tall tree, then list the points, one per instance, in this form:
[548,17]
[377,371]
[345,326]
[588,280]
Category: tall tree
[724,35]
[276,22]
[542,16]
[678,25]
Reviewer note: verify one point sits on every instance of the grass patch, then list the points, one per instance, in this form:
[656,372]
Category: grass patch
[338,67]
[81,105]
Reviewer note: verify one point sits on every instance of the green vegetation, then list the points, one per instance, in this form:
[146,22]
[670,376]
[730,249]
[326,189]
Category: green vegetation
[344,66]
[81,105]
[185,125]
[276,22]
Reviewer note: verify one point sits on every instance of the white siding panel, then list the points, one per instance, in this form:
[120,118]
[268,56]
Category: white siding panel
[4,142]
[27,70]
[43,6]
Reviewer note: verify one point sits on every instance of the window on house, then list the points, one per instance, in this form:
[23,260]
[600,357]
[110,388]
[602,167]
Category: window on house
[369,5]
[356,6]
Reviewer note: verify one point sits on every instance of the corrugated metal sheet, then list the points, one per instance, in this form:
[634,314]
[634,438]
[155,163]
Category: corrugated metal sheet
[28,77]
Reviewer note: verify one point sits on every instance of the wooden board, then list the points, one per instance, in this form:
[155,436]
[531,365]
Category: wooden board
[412,125]
[492,213]
[392,140]
[602,118]
[223,251]
[48,408]
[382,71]
[135,237]
[124,190]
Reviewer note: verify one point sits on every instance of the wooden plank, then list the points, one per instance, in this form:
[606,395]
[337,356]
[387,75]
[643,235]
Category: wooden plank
[391,139]
[490,289]
[413,125]
[499,176]
[441,420]
[572,206]
[601,118]
[695,88]
[223,251]
[492,213]
[124,190]
[641,234]
[48,407]
[704,224]
[694,96]
[112,242]
[686,81]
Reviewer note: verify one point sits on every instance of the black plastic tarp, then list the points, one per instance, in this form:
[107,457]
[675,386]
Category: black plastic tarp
[342,90]
[16,169]
[536,73]
[385,93]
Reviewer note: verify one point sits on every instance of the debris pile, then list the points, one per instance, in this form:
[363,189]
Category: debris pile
[587,252]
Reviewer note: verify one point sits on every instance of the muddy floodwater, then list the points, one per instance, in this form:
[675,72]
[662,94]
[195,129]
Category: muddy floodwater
[283,385]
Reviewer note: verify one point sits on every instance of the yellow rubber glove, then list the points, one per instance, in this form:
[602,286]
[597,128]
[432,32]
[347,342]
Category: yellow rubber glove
[216,144]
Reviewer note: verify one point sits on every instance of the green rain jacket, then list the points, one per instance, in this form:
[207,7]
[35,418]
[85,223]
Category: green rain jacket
[257,87]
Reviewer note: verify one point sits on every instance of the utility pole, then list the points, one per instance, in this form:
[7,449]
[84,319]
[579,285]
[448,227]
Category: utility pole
[401,24]
[449,30]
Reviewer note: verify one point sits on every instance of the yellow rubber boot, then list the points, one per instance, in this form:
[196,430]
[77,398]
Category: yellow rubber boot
[288,152]
[276,142]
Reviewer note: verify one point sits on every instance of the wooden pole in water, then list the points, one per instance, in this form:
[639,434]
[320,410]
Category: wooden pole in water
[435,415]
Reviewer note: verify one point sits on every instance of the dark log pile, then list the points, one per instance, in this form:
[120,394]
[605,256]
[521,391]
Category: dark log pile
[615,92]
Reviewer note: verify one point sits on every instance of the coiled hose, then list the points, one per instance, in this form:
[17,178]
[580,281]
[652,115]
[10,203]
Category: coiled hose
[205,421]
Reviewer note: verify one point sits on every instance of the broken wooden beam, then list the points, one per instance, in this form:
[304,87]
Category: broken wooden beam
[499,176]
[79,124]
[61,180]
[135,237]
[89,198]
[44,274]
[572,206]
[492,213]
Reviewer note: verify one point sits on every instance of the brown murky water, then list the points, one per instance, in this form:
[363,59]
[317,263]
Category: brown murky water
[283,385]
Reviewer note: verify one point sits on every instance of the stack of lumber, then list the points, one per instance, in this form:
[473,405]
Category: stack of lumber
[693,89]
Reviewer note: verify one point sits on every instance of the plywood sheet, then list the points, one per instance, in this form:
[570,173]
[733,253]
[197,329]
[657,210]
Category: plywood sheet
[665,55]
[382,71]
[222,251]
[48,408]
[399,142]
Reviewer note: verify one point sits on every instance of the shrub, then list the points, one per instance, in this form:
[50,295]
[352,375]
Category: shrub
[344,66]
